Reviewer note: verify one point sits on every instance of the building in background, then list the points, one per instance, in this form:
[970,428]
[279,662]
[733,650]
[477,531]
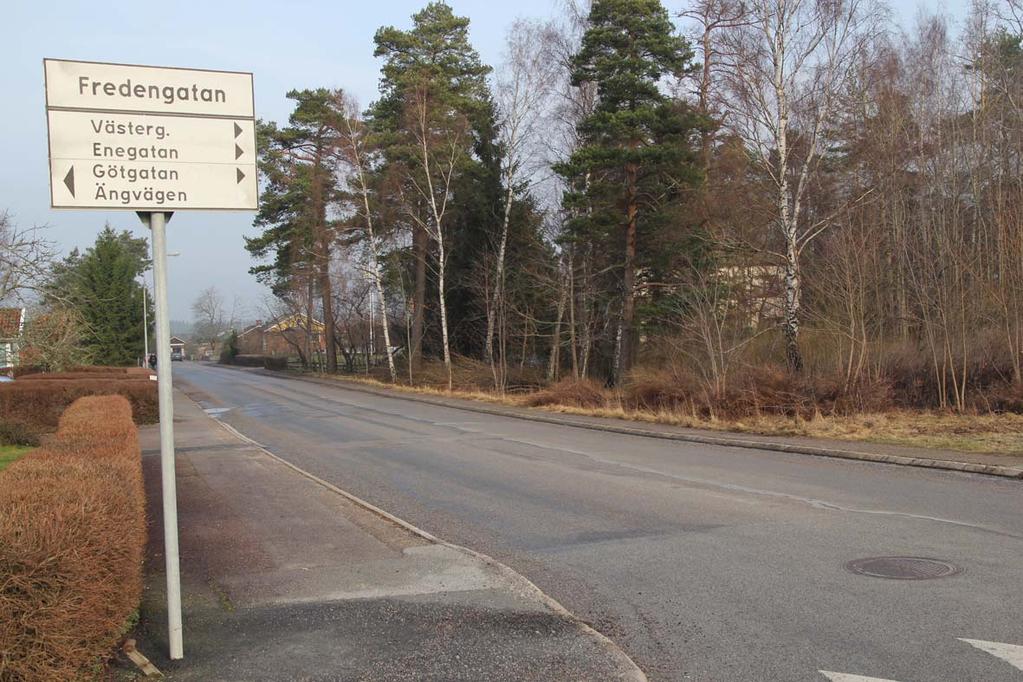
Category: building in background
[12,327]
[287,336]
[250,339]
[177,344]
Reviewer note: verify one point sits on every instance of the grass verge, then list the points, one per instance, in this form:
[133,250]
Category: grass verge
[999,434]
[9,453]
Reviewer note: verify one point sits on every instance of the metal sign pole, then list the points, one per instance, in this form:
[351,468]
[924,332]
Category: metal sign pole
[157,223]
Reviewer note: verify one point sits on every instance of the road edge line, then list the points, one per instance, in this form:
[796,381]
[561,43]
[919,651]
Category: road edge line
[724,441]
[630,671]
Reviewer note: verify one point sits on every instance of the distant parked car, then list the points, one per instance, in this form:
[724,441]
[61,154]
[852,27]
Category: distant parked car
[177,356]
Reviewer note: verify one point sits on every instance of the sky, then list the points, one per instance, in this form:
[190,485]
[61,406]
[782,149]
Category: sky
[285,44]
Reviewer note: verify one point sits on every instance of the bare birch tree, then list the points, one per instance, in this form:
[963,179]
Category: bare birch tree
[572,104]
[440,137]
[523,88]
[357,155]
[789,61]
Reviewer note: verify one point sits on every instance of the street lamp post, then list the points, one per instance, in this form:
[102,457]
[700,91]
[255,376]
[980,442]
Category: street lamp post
[145,313]
[145,323]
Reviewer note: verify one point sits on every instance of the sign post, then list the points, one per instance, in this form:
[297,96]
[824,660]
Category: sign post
[153,140]
[157,223]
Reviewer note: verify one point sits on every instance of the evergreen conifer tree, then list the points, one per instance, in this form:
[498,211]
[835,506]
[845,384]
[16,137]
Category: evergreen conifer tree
[637,154]
[101,286]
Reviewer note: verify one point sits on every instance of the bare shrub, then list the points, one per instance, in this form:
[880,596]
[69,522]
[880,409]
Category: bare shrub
[468,374]
[17,432]
[751,391]
[673,390]
[571,393]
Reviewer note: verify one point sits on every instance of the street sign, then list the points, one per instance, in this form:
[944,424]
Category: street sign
[153,140]
[150,138]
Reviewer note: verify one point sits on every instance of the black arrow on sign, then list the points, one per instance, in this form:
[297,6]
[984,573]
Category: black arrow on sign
[69,180]
[241,176]
[237,151]
[237,130]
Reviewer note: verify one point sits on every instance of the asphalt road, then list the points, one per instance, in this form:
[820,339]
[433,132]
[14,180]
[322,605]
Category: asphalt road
[702,562]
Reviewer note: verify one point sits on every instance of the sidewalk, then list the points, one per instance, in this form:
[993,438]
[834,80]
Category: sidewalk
[285,579]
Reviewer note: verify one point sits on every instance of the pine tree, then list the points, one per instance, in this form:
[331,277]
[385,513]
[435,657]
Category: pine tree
[435,121]
[637,155]
[297,166]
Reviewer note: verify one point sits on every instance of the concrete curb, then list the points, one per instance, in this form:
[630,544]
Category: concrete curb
[726,441]
[630,671]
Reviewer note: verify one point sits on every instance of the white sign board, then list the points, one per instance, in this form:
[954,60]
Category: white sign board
[150,138]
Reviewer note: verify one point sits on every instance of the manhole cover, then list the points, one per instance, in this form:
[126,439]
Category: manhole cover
[903,567]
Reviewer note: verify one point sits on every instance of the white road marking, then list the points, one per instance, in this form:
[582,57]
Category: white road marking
[215,411]
[845,677]
[1010,653]
[813,502]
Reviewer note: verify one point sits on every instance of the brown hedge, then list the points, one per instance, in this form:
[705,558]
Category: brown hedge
[34,371]
[246,360]
[106,369]
[36,405]
[72,535]
[91,376]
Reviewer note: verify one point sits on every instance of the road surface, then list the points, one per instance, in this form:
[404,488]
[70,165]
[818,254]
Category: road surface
[702,562]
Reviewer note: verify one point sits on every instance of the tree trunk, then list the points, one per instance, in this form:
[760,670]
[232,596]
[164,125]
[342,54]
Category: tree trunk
[793,354]
[498,281]
[441,267]
[379,283]
[420,248]
[571,316]
[787,218]
[378,279]
[586,315]
[308,326]
[326,292]
[555,360]
[626,340]
[323,261]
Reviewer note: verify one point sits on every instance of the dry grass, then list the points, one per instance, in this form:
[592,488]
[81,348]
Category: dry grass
[430,390]
[1000,434]
[991,433]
